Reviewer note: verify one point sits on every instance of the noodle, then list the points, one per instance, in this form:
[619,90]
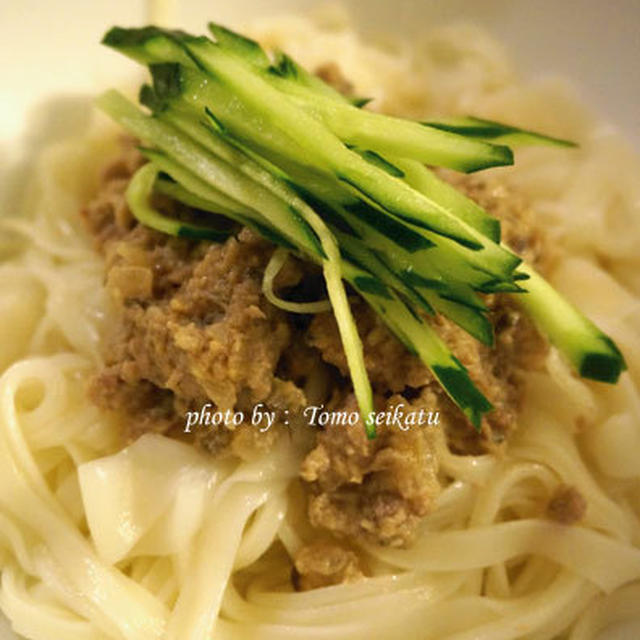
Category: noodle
[158,540]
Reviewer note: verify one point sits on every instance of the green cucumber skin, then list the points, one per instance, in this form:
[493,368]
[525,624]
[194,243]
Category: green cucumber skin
[138,196]
[492,131]
[326,151]
[398,231]
[204,165]
[422,340]
[371,286]
[394,136]
[374,158]
[423,180]
[592,354]
[240,45]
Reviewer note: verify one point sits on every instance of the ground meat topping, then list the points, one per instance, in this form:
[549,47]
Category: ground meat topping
[322,564]
[192,324]
[377,489]
[213,338]
[567,505]
[107,216]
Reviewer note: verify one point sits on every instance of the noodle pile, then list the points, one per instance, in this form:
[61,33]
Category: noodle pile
[160,541]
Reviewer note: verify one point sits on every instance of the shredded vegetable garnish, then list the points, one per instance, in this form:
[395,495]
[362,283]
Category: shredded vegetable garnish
[258,139]
[275,264]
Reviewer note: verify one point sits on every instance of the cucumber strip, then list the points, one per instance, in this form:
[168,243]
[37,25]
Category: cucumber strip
[138,196]
[470,317]
[209,199]
[416,174]
[263,118]
[422,340]
[176,191]
[239,45]
[425,181]
[213,170]
[286,67]
[151,44]
[218,201]
[396,136]
[472,320]
[489,130]
[181,114]
[190,189]
[430,267]
[458,292]
[271,123]
[427,267]
[182,118]
[449,260]
[592,353]
[273,268]
[332,270]
[424,263]
[358,254]
[283,65]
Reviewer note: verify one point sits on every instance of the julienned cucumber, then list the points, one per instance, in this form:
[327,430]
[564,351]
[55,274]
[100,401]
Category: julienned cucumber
[269,122]
[138,196]
[215,172]
[592,353]
[422,340]
[269,145]
[488,130]
[490,258]
[395,136]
